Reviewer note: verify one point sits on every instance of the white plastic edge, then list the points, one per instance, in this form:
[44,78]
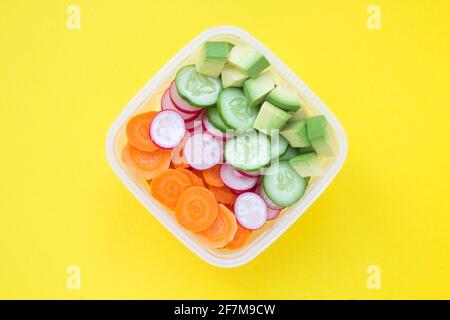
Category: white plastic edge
[152,87]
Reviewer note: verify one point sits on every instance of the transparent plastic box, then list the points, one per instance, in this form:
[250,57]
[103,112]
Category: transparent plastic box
[148,98]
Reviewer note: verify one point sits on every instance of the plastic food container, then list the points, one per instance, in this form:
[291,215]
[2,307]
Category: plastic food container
[148,98]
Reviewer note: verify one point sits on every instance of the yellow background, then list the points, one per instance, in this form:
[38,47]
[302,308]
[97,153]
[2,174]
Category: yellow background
[61,204]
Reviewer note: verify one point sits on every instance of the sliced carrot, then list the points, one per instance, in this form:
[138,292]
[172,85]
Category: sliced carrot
[199,174]
[169,186]
[146,165]
[179,166]
[138,132]
[223,194]
[196,209]
[240,238]
[222,231]
[212,176]
[195,180]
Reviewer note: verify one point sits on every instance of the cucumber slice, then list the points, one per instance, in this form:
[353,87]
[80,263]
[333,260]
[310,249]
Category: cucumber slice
[212,58]
[289,154]
[307,165]
[284,98]
[320,135]
[233,77]
[270,118]
[296,134]
[283,185]
[234,110]
[248,152]
[279,146]
[257,89]
[248,60]
[216,121]
[196,88]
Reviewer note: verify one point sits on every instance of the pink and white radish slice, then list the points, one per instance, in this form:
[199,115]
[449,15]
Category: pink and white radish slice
[194,124]
[167,104]
[272,214]
[213,130]
[202,151]
[178,151]
[270,204]
[179,102]
[250,210]
[249,174]
[235,180]
[167,129]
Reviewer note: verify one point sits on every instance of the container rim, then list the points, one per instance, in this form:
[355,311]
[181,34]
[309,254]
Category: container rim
[297,210]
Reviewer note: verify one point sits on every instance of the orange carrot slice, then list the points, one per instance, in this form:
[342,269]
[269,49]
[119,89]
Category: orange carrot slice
[138,132]
[240,238]
[196,209]
[223,194]
[179,166]
[222,231]
[195,180]
[199,174]
[169,186]
[212,176]
[146,165]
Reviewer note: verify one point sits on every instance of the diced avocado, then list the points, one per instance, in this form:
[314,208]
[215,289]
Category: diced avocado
[289,154]
[248,60]
[307,165]
[217,50]
[284,98]
[320,136]
[296,134]
[303,150]
[270,117]
[212,58]
[257,89]
[233,77]
[304,112]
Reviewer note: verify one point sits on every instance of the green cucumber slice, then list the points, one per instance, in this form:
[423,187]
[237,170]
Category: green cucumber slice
[283,185]
[289,154]
[270,118]
[279,146]
[307,165]
[198,89]
[216,121]
[248,152]
[234,110]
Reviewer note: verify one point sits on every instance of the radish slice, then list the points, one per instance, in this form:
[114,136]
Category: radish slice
[179,102]
[235,180]
[167,104]
[272,214]
[213,130]
[202,151]
[167,129]
[250,210]
[269,202]
[249,174]
[242,191]
[194,124]
[178,151]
